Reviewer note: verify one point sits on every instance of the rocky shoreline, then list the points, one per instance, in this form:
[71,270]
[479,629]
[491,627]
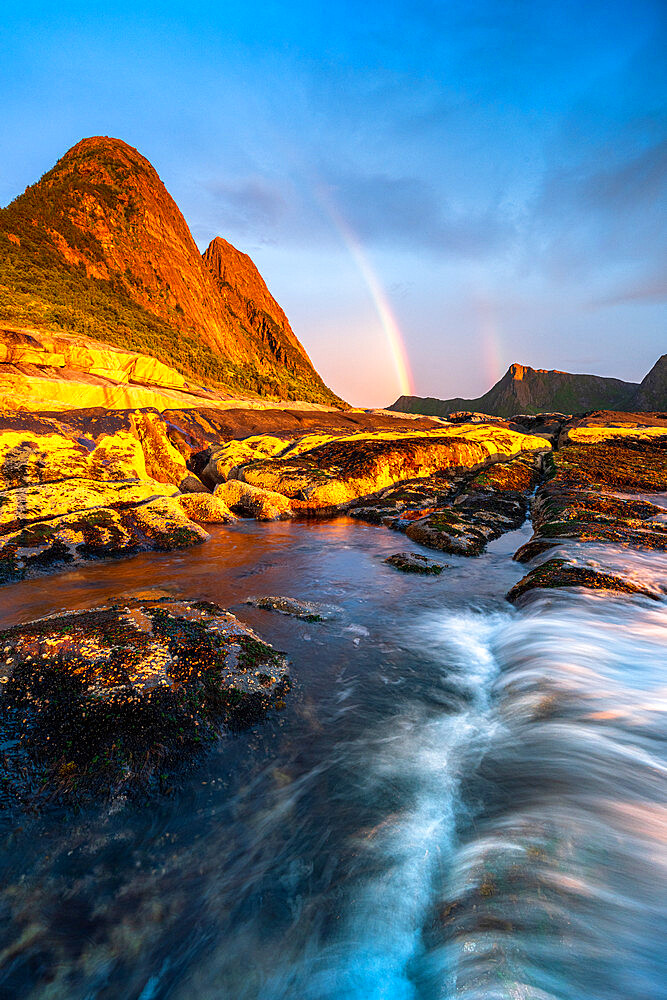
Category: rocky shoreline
[111,701]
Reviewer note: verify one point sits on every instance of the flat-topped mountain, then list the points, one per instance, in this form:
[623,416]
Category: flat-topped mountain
[98,247]
[533,390]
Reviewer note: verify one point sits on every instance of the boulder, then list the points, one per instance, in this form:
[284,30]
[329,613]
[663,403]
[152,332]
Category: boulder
[94,533]
[336,471]
[192,484]
[110,700]
[166,526]
[307,610]
[206,509]
[235,453]
[253,501]
[413,562]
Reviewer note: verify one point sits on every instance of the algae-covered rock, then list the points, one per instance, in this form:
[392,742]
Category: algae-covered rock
[557,573]
[413,562]
[445,531]
[127,445]
[45,501]
[629,463]
[81,485]
[307,610]
[579,505]
[253,501]
[107,700]
[568,508]
[456,512]
[97,533]
[205,508]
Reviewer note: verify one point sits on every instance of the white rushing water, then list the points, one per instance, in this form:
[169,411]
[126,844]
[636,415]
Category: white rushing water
[461,801]
[524,855]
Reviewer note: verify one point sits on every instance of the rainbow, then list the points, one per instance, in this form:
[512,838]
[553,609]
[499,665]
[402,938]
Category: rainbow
[491,343]
[387,319]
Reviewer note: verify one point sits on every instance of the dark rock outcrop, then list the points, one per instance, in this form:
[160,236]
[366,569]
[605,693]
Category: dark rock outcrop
[532,390]
[578,511]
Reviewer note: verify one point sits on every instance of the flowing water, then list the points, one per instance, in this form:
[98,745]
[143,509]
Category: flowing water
[461,800]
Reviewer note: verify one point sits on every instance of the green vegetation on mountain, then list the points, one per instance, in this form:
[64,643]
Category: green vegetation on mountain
[98,248]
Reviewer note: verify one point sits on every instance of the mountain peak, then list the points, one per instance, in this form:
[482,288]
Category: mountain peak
[111,255]
[536,390]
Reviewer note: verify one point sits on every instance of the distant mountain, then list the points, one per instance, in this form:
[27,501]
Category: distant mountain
[99,248]
[652,393]
[531,390]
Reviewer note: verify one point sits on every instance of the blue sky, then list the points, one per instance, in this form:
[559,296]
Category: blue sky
[499,168]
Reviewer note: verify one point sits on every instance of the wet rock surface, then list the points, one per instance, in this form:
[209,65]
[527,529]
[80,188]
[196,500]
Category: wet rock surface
[578,508]
[306,610]
[413,562]
[557,573]
[115,699]
[335,472]
[457,514]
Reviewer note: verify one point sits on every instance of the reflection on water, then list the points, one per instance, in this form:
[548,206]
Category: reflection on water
[460,800]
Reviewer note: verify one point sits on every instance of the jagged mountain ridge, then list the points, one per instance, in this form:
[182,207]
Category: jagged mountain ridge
[529,390]
[98,247]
